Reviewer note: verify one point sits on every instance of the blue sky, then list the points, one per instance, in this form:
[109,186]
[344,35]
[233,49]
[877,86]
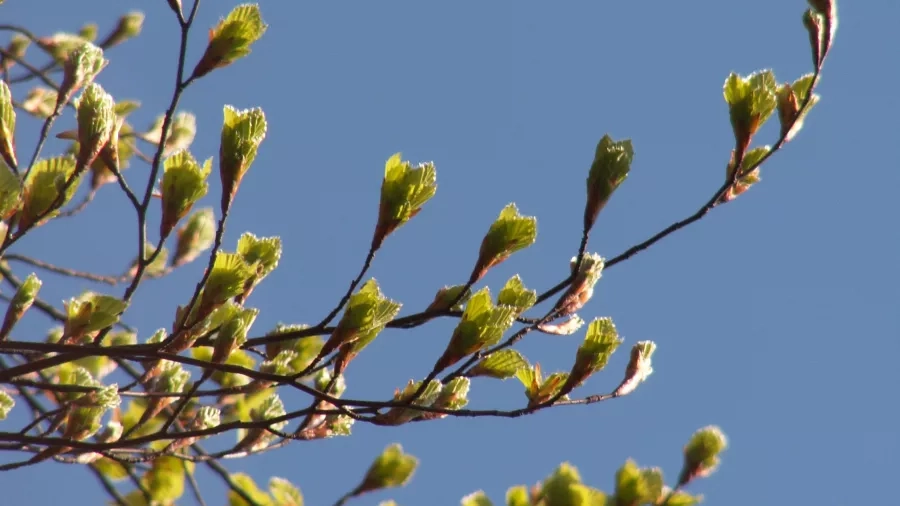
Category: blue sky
[775,316]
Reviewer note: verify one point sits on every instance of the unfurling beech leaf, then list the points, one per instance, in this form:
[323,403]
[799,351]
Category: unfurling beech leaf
[638,486]
[40,102]
[80,68]
[261,252]
[304,348]
[392,468]
[20,303]
[10,192]
[751,100]
[790,98]
[514,294]
[501,364]
[181,133]
[165,480]
[96,121]
[325,377]
[612,162]
[446,295]
[399,416]
[248,486]
[231,39]
[821,23]
[43,186]
[454,395]
[701,454]
[6,404]
[88,313]
[680,498]
[256,439]
[510,233]
[749,174]
[518,496]
[88,32]
[482,325]
[284,492]
[156,267]
[564,487]
[404,190]
[639,367]
[226,279]
[581,289]
[7,127]
[599,343]
[183,184]
[242,133]
[539,390]
[478,498]
[232,331]
[195,237]
[368,310]
[18,44]
[564,328]
[86,409]
[128,27]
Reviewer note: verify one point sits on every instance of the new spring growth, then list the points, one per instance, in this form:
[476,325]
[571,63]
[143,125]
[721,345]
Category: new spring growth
[6,404]
[539,390]
[181,133]
[749,174]
[393,468]
[89,313]
[635,485]
[399,416]
[262,252]
[227,279]
[582,287]
[501,364]
[242,133]
[20,303]
[404,190]
[10,193]
[612,162]
[481,326]
[790,97]
[600,342]
[454,395]
[7,127]
[172,379]
[564,486]
[128,27]
[96,121]
[81,67]
[195,237]
[235,324]
[183,184]
[701,454]
[259,438]
[231,39]
[639,367]
[41,198]
[206,417]
[368,310]
[509,233]
[751,100]
[821,22]
[18,44]
[447,295]
[515,295]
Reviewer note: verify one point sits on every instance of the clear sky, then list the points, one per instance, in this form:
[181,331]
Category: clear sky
[775,316]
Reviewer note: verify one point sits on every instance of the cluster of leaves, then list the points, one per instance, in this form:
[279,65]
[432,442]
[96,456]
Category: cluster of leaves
[155,439]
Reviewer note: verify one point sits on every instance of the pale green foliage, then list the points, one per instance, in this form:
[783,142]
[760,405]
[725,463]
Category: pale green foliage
[264,252]
[599,343]
[501,364]
[393,468]
[514,294]
[702,451]
[10,191]
[404,191]
[183,184]
[610,168]
[91,312]
[483,323]
[42,189]
[509,233]
[96,120]
[6,404]
[226,279]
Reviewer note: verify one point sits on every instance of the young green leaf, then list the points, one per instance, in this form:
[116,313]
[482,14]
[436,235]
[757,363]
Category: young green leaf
[790,98]
[599,343]
[447,295]
[6,404]
[242,133]
[261,252]
[514,294]
[80,68]
[40,102]
[478,498]
[284,492]
[564,328]
[195,237]
[581,289]
[749,174]
[41,197]
[680,498]
[256,439]
[610,168]
[751,100]
[368,311]
[183,184]
[482,325]
[232,331]
[518,496]
[96,121]
[231,39]
[128,27]
[501,364]
[7,127]
[701,454]
[399,416]
[510,233]
[639,367]
[404,190]
[20,303]
[88,313]
[226,279]
[638,486]
[248,486]
[392,468]
[165,480]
